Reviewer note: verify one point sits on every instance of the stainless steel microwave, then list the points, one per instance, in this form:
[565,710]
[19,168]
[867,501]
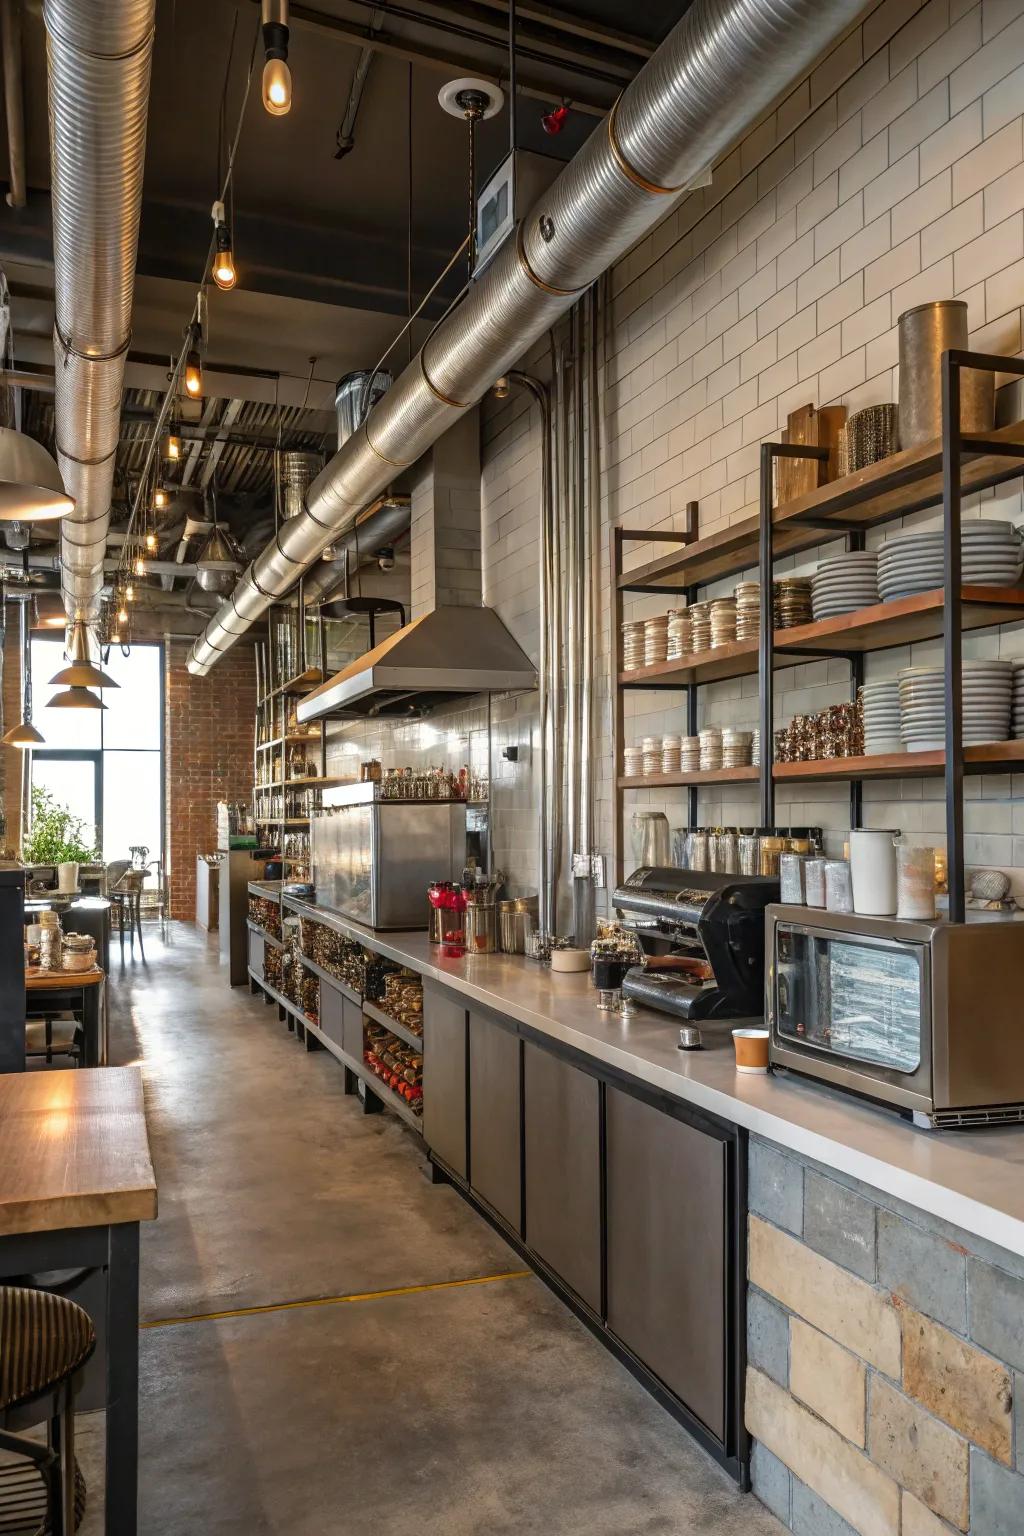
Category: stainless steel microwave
[926,1016]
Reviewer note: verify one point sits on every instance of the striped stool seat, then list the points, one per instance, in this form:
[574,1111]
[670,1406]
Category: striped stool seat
[44,1339]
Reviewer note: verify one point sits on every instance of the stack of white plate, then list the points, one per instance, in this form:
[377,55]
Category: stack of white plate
[992,555]
[987,694]
[881,705]
[844,583]
[1017,707]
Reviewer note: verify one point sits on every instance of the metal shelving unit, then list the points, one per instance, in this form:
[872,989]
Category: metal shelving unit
[940,472]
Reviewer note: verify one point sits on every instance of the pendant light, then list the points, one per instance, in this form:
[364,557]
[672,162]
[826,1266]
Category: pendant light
[172,445]
[76,698]
[24,734]
[82,672]
[277,79]
[218,567]
[31,487]
[224,274]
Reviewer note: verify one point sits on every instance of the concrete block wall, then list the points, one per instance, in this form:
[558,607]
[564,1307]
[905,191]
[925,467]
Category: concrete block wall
[885,1361]
[891,175]
[208,756]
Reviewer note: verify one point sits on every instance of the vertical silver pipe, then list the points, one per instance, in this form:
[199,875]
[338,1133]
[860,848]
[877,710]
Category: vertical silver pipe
[14,100]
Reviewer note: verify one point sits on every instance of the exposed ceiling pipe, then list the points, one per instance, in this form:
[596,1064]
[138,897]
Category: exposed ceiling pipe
[98,66]
[717,70]
[14,101]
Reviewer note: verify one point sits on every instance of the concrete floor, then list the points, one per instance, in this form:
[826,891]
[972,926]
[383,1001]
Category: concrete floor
[455,1409]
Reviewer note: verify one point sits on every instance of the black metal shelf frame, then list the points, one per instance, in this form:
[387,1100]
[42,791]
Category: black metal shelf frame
[956,446]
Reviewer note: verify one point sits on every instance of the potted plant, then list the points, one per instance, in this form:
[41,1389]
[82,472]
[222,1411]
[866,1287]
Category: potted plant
[55,836]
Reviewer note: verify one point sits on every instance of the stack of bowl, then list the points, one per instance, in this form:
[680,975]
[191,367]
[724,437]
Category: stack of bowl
[880,702]
[791,601]
[844,583]
[987,695]
[992,555]
[1017,707]
[655,639]
[748,610]
[632,644]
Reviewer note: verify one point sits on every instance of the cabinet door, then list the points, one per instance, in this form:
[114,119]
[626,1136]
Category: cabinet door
[331,1012]
[562,1142]
[667,1184]
[257,944]
[494,1145]
[444,1078]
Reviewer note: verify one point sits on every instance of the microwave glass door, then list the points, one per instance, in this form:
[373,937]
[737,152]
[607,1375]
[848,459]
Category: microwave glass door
[850,997]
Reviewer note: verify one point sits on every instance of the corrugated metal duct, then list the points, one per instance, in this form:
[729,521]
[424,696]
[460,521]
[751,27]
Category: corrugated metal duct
[717,70]
[98,65]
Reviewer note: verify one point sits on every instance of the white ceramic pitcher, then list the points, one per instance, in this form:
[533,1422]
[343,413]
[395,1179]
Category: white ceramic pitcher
[873,871]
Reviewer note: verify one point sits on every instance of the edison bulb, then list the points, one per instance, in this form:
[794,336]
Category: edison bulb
[129,593]
[122,615]
[159,498]
[140,566]
[224,274]
[151,541]
[193,375]
[277,87]
[172,447]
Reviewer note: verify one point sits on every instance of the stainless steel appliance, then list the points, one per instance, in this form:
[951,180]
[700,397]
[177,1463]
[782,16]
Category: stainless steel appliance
[704,938]
[373,859]
[928,1016]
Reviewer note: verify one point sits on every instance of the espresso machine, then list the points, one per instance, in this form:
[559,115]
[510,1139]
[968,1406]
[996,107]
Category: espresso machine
[702,935]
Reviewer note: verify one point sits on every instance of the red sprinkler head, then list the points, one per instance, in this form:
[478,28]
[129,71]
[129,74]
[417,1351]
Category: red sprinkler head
[554,121]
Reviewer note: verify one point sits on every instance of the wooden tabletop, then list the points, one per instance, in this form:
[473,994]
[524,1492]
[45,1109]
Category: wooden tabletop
[37,980]
[74,1151]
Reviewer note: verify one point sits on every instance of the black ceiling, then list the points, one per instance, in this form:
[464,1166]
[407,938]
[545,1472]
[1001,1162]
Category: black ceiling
[308,224]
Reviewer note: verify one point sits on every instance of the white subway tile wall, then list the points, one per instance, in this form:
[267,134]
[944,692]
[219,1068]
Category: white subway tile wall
[891,176]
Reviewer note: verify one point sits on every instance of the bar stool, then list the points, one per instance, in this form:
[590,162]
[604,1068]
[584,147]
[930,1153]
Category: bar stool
[44,1342]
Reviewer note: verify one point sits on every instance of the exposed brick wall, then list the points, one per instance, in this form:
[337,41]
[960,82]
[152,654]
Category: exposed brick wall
[208,757]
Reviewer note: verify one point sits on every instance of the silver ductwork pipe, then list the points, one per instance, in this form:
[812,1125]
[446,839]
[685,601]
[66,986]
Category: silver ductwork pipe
[98,68]
[717,70]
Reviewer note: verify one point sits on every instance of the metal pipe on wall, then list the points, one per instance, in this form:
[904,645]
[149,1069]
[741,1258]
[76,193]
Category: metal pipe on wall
[722,64]
[98,70]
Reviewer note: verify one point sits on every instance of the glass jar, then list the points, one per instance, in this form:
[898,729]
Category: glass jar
[814,882]
[791,878]
[838,886]
[770,849]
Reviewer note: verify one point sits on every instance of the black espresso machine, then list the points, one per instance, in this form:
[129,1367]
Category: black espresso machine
[703,939]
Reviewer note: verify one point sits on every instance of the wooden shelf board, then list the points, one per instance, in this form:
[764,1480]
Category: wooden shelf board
[995,757]
[736,659]
[904,621]
[303,682]
[401,1030]
[313,783]
[904,482]
[712,776]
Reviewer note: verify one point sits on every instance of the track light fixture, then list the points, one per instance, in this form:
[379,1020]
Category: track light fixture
[224,274]
[277,79]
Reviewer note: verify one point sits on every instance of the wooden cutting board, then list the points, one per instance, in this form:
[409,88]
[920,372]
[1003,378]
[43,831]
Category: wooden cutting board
[817,429]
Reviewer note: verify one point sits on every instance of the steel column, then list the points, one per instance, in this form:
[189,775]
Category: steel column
[951,637]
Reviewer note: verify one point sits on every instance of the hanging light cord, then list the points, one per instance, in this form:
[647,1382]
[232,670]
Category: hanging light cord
[192,330]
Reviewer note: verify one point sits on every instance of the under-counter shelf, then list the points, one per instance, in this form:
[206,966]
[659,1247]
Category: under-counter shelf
[401,1030]
[264,933]
[333,981]
[745,775]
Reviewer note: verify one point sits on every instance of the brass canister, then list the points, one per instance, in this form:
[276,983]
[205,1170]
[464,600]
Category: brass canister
[925,333]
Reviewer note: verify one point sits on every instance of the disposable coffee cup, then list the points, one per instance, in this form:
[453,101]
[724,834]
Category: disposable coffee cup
[751,1046]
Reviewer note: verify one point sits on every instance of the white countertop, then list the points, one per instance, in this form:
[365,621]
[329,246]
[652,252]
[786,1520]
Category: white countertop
[974,1179]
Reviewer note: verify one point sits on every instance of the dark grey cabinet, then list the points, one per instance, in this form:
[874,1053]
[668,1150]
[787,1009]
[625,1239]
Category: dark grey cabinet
[257,945]
[494,1118]
[667,1187]
[444,1078]
[562,1150]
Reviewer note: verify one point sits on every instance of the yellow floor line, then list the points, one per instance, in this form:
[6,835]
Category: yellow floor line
[336,1301]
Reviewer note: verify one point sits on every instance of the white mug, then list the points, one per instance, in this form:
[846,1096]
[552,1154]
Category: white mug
[873,872]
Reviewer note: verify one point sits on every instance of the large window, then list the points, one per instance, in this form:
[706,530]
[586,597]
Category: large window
[106,764]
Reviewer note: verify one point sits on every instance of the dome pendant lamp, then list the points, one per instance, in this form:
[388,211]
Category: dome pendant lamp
[80,675]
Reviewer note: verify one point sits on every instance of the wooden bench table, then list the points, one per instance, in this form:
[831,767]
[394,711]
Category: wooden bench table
[76,1179]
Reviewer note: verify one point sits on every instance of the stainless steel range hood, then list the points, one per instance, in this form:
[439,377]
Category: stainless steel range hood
[439,658]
